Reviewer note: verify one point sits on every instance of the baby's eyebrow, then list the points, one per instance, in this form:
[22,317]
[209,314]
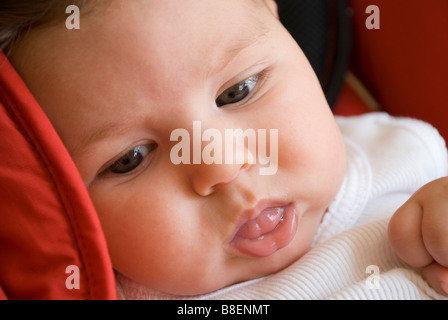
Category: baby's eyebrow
[248,37]
[102,132]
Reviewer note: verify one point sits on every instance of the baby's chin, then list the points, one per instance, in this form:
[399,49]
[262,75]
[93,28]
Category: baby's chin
[237,270]
[259,270]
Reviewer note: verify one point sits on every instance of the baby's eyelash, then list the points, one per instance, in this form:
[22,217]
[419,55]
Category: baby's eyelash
[226,99]
[262,76]
[130,162]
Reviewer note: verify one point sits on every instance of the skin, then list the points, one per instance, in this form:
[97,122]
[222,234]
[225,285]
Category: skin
[145,68]
[418,233]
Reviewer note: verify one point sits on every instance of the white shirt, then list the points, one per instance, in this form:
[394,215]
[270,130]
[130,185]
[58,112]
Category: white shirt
[388,159]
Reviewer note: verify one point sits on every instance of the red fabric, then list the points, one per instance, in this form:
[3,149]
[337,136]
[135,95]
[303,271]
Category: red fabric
[349,103]
[47,220]
[404,64]
[2,294]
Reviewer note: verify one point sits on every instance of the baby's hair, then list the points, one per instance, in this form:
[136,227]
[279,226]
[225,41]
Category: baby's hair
[19,16]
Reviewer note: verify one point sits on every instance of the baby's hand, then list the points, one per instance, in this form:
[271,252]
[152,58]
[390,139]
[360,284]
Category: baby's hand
[418,232]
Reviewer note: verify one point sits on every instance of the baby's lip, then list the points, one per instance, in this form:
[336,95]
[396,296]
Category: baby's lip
[266,228]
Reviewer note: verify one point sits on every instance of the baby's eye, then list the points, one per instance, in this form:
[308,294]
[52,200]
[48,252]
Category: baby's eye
[131,160]
[237,92]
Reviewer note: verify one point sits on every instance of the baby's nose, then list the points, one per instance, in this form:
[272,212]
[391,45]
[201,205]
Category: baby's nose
[208,175]
[206,179]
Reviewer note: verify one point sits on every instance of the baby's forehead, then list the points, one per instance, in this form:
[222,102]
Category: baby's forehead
[200,32]
[203,21]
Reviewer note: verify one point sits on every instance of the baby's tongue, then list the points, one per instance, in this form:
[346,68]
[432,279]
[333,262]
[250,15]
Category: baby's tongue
[265,222]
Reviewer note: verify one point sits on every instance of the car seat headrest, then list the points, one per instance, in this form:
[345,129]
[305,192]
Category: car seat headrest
[322,28]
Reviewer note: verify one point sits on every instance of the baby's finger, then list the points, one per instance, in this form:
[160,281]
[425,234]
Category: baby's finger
[437,277]
[434,228]
[405,235]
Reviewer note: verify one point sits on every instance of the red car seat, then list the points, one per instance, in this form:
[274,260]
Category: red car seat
[48,222]
[404,64]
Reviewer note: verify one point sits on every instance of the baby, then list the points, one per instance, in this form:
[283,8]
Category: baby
[137,71]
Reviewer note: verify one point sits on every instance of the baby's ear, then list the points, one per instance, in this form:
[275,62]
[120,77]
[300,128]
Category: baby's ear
[272,5]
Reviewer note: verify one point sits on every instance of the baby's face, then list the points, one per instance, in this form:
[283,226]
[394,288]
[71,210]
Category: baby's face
[135,72]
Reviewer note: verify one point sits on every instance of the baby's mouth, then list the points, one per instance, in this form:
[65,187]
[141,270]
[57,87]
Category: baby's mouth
[272,228]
